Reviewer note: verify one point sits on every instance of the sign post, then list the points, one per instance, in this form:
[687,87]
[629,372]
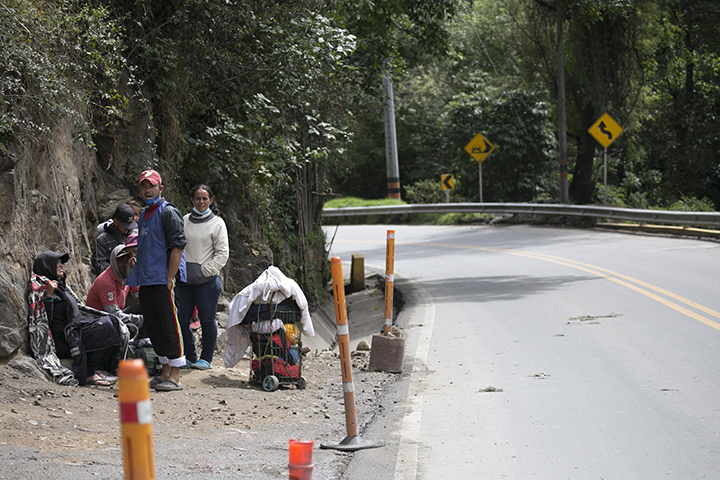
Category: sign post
[479,148]
[448,183]
[605,130]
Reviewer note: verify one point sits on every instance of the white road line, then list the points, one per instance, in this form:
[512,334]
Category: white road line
[407,458]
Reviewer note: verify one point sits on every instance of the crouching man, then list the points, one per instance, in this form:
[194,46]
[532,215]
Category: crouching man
[108,292]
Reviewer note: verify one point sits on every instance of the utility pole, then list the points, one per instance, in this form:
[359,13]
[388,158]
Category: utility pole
[391,158]
[562,122]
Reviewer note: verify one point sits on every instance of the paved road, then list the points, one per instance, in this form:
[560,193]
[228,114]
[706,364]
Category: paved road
[548,353]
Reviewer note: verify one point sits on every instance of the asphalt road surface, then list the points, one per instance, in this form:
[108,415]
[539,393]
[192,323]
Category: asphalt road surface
[547,353]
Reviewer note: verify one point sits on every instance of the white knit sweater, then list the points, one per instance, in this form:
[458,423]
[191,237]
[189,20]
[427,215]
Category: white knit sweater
[207,244]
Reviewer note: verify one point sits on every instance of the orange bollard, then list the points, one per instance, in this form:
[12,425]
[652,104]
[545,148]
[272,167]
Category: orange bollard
[389,280]
[343,336]
[352,442]
[136,420]
[300,465]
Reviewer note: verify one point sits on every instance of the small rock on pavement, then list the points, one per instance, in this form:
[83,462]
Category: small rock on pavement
[363,346]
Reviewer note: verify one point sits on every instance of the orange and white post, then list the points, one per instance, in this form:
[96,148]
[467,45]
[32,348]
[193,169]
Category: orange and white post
[343,335]
[389,280]
[136,420]
[353,441]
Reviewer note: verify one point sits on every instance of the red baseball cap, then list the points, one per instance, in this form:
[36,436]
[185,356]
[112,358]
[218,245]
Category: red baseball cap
[150,175]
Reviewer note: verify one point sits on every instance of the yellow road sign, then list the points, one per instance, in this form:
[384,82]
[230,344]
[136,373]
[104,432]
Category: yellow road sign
[448,181]
[479,148]
[605,130]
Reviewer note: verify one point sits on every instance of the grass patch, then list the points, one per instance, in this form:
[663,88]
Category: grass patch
[399,219]
[346,202]
[464,218]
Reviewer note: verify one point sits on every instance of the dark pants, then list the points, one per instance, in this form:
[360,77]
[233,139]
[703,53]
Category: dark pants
[99,341]
[205,298]
[163,326]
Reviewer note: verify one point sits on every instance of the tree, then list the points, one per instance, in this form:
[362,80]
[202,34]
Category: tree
[247,97]
[681,129]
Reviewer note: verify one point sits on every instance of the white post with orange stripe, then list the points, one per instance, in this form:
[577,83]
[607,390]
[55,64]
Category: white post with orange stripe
[136,420]
[389,280]
[352,442]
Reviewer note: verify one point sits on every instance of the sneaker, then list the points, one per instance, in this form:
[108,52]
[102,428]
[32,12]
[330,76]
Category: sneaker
[195,324]
[201,365]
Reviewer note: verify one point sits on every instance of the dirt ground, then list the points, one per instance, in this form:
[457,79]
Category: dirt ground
[219,426]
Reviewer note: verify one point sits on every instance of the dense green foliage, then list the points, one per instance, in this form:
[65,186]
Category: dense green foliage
[257,99]
[652,65]
[58,61]
[278,107]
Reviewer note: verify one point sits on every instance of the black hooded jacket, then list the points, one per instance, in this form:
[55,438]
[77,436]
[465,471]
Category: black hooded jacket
[72,329]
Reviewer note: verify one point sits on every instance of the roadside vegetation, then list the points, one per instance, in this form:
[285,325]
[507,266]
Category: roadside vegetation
[279,106]
[403,219]
[653,65]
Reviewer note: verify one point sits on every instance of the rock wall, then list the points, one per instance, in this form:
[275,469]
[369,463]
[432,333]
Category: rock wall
[57,187]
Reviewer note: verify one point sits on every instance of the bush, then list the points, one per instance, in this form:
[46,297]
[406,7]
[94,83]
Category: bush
[691,204]
[464,218]
[425,191]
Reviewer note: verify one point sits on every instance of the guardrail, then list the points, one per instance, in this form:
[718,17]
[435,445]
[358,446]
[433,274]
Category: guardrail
[706,219]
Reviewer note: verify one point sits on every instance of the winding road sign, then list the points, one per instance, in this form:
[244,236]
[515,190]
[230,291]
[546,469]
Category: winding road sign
[479,148]
[605,130]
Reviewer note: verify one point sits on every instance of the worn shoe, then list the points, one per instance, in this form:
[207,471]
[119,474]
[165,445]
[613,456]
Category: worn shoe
[107,376]
[195,324]
[168,386]
[155,381]
[201,365]
[187,365]
[99,380]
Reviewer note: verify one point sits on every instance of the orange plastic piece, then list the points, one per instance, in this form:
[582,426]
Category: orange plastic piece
[136,420]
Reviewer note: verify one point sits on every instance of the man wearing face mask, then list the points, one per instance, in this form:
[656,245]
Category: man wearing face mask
[160,260]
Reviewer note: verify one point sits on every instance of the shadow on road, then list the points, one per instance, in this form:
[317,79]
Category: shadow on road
[488,289]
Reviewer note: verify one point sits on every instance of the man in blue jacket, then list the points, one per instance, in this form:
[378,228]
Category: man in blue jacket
[160,260]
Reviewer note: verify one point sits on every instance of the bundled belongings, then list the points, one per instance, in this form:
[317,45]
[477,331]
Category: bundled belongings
[270,314]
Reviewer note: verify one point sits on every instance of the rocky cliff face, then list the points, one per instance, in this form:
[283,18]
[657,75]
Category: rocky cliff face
[55,189]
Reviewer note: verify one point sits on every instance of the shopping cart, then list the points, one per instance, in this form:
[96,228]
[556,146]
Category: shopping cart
[276,338]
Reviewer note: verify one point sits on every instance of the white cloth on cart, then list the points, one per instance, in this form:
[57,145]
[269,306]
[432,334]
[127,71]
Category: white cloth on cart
[272,286]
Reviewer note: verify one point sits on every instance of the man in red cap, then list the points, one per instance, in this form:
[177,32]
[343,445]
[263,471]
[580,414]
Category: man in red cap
[160,259]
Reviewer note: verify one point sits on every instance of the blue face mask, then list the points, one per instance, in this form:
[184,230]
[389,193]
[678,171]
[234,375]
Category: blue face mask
[153,200]
[201,213]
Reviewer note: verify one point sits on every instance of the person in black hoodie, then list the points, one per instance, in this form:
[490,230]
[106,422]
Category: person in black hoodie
[91,342]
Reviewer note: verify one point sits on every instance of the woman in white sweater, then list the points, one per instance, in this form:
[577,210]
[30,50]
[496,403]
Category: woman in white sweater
[206,253]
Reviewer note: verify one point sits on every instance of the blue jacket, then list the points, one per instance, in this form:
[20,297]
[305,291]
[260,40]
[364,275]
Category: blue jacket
[157,235]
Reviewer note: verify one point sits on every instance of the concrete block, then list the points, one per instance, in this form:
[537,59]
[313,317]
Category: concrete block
[387,354]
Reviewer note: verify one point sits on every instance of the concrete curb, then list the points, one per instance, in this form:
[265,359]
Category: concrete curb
[365,310]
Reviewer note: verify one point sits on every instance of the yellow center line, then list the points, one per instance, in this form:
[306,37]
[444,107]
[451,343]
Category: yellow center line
[674,296]
[615,277]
